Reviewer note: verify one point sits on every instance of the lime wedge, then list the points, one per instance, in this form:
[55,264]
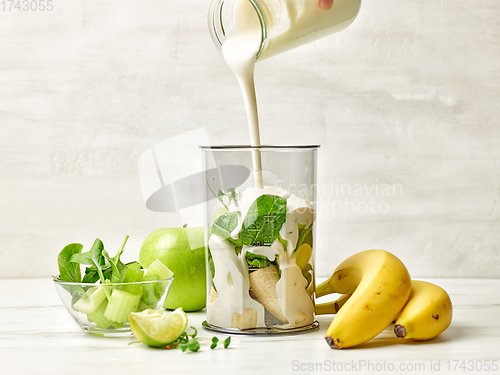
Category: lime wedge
[156,327]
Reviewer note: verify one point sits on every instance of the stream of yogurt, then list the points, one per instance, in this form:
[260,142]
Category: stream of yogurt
[239,51]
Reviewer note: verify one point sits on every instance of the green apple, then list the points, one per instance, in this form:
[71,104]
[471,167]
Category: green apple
[182,250]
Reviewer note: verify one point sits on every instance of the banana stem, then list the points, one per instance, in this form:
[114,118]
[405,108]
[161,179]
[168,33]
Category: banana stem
[332,307]
[324,288]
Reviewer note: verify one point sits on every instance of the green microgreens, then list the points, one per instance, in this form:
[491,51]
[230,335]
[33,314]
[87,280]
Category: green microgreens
[215,340]
[193,335]
[192,345]
[189,343]
[217,196]
[231,195]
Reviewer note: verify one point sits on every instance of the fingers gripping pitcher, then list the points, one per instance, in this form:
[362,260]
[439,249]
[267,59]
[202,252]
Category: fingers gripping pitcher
[261,200]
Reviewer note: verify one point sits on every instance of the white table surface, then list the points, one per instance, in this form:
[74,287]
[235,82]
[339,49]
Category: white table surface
[38,336]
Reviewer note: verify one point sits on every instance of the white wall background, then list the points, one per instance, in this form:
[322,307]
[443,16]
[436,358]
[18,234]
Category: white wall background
[408,95]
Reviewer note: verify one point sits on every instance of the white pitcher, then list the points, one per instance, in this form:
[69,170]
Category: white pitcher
[285,24]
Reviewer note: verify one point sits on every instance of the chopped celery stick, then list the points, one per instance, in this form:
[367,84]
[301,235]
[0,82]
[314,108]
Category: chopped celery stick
[132,275]
[132,289]
[159,269]
[98,316]
[143,306]
[121,305]
[152,292]
[90,304]
[133,270]
[116,325]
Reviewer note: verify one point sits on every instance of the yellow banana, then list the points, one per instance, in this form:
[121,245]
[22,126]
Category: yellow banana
[380,286]
[427,313]
[303,255]
[332,307]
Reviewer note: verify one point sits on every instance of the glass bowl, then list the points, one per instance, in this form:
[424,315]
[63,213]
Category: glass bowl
[103,309]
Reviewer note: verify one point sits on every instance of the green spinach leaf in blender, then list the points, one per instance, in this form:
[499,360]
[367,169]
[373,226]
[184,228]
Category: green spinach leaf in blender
[263,221]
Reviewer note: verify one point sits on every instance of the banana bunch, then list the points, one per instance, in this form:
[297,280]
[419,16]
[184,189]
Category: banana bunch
[377,290]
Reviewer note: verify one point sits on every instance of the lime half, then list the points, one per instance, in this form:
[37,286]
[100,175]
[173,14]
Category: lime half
[157,327]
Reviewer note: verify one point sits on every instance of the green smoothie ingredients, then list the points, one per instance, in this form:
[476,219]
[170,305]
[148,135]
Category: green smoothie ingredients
[139,289]
[112,293]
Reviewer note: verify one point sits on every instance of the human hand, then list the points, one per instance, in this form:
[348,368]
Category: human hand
[325,4]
